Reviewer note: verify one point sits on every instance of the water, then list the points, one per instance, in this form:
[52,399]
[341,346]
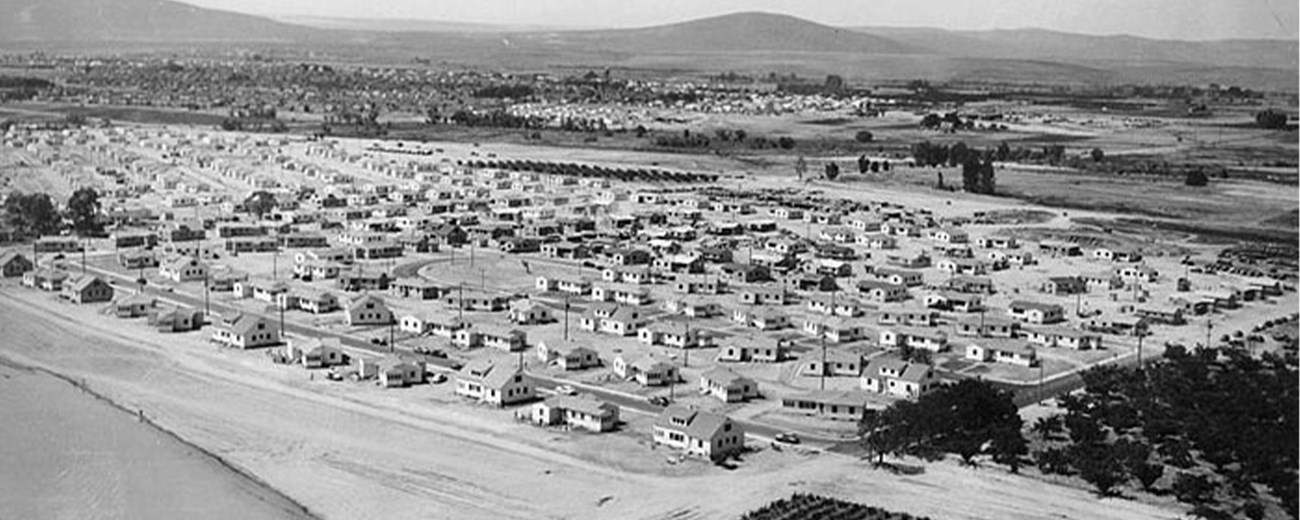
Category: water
[66,455]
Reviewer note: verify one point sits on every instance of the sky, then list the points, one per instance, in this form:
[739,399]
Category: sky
[1165,19]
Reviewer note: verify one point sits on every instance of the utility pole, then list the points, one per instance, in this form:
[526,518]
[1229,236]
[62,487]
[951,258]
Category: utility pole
[566,316]
[392,347]
[207,307]
[275,260]
[460,306]
[1141,335]
[1041,394]
[83,259]
[686,343]
[1209,326]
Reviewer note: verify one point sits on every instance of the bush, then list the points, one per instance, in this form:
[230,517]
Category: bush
[1196,178]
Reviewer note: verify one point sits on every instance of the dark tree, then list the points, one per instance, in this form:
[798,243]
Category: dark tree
[83,211]
[1271,120]
[34,213]
[1098,155]
[864,136]
[832,171]
[931,121]
[260,203]
[969,418]
[863,163]
[1196,177]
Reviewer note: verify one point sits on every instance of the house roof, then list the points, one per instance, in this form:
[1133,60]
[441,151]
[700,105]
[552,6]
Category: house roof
[626,314]
[650,364]
[723,376]
[583,404]
[246,323]
[6,258]
[832,397]
[1028,305]
[499,377]
[362,299]
[83,282]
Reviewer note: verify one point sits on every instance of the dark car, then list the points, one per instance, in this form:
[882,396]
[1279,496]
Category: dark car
[788,438]
[658,400]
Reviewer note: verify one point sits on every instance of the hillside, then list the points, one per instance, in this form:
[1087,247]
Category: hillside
[740,32]
[135,21]
[1038,44]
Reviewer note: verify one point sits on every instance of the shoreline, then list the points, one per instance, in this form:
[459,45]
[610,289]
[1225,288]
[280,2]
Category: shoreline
[261,489]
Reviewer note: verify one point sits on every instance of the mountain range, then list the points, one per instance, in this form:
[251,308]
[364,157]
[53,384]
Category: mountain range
[742,42]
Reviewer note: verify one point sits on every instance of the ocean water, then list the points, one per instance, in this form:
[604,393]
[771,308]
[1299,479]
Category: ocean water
[66,455]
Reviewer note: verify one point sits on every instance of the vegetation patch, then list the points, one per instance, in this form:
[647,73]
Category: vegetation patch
[807,507]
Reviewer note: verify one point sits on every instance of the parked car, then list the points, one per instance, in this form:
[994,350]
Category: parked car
[437,378]
[788,438]
[566,390]
[658,400]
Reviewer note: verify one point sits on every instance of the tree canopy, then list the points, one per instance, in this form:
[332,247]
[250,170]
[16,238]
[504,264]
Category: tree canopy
[32,213]
[83,211]
[1211,424]
[969,419]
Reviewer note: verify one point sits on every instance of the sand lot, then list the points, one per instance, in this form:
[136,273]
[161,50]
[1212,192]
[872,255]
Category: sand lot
[352,451]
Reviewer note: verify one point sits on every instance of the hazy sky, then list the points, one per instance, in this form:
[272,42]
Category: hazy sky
[1176,19]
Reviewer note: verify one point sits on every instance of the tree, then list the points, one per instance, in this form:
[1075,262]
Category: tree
[834,82]
[34,213]
[987,179]
[970,175]
[832,171]
[1003,153]
[1098,155]
[785,142]
[864,136]
[800,167]
[83,211]
[931,121]
[1271,120]
[1196,177]
[959,153]
[260,203]
[863,163]
[969,418]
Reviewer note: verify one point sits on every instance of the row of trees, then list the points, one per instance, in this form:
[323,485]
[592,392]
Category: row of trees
[977,170]
[687,139]
[35,214]
[588,170]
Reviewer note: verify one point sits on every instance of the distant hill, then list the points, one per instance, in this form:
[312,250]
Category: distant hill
[735,33]
[1039,44]
[750,42]
[414,25]
[134,21]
